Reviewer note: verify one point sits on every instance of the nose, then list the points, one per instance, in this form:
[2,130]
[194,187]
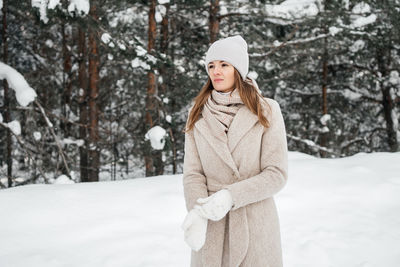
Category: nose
[216,70]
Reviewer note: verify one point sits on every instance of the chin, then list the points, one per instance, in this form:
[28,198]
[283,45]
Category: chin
[221,89]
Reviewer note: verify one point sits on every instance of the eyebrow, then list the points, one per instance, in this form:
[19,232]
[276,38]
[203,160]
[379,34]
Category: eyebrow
[219,61]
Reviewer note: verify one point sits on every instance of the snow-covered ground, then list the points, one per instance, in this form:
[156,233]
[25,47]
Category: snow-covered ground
[333,212]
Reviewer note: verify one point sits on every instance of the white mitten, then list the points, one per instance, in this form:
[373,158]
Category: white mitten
[195,227]
[216,206]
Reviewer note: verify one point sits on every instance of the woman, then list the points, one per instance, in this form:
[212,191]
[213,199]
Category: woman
[235,162]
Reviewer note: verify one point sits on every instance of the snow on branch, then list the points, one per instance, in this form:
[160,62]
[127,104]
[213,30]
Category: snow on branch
[363,21]
[22,144]
[25,95]
[277,45]
[220,17]
[310,143]
[353,93]
[348,143]
[81,7]
[75,7]
[14,126]
[304,93]
[291,11]
[307,93]
[23,92]
[156,135]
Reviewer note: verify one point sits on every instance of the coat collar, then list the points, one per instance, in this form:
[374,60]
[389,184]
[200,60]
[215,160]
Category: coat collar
[243,121]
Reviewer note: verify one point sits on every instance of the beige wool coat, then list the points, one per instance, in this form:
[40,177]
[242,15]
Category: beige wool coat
[251,162]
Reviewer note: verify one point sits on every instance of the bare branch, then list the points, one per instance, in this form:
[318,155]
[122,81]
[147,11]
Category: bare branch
[50,125]
[232,14]
[21,142]
[311,144]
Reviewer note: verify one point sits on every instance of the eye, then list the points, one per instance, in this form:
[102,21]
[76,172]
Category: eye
[210,66]
[224,65]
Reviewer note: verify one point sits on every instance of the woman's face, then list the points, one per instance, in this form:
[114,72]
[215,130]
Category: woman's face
[222,75]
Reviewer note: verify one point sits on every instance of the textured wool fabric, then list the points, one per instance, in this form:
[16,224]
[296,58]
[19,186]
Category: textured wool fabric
[223,108]
[232,50]
[223,93]
[251,162]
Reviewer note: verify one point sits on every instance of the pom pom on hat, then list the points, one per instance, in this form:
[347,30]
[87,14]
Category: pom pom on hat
[232,50]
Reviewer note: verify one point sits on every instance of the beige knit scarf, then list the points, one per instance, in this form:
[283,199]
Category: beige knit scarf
[219,111]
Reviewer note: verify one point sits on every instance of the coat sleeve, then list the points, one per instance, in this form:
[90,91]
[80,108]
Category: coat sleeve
[273,175]
[194,180]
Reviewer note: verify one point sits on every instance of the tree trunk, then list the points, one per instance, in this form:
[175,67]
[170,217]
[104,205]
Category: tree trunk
[213,20]
[67,86]
[388,106]
[153,159]
[383,57]
[324,136]
[164,31]
[164,49]
[93,152]
[83,104]
[164,74]
[7,117]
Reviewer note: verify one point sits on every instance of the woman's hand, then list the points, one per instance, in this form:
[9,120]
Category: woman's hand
[216,206]
[195,227]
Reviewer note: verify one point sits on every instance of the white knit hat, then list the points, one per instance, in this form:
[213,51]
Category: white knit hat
[232,50]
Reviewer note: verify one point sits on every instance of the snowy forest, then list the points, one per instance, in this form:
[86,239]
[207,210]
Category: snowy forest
[100,90]
[95,96]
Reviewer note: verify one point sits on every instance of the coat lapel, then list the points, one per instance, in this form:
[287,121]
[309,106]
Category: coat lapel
[243,121]
[224,144]
[217,144]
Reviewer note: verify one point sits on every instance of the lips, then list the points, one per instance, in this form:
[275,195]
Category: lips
[218,80]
